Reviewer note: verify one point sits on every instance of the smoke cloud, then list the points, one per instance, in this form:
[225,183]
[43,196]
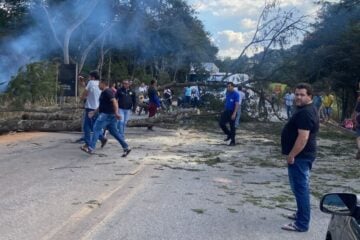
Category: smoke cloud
[38,42]
[136,26]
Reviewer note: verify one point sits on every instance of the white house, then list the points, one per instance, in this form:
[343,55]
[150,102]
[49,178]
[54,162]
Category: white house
[210,67]
[216,76]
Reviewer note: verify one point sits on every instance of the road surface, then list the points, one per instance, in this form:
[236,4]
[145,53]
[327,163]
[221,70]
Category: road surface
[175,184]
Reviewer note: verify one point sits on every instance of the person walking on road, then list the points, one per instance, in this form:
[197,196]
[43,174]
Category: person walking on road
[229,114]
[108,116]
[298,143]
[127,102]
[91,94]
[154,101]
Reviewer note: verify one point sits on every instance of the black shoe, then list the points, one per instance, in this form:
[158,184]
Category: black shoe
[126,152]
[227,139]
[103,142]
[150,129]
[232,143]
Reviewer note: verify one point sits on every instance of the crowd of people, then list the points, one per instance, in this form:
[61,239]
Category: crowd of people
[109,108]
[304,110]
[324,104]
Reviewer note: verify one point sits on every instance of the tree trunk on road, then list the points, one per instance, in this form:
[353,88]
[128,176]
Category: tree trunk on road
[70,120]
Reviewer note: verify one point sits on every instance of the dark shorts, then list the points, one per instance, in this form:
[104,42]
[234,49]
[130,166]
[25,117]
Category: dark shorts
[152,109]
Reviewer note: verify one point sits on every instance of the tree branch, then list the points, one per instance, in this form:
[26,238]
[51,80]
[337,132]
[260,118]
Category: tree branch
[91,45]
[52,26]
[91,5]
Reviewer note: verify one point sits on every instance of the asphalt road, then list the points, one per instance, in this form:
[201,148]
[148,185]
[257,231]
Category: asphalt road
[165,189]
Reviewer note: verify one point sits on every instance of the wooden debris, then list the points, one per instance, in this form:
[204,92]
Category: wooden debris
[70,120]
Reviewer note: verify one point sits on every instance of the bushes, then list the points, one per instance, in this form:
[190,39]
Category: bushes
[35,83]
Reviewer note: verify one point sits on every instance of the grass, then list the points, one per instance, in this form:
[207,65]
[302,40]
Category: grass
[264,142]
[268,206]
[232,210]
[93,203]
[351,173]
[318,194]
[257,201]
[259,183]
[282,198]
[224,187]
[199,210]
[265,163]
[237,165]
[212,161]
[209,158]
[267,128]
[181,168]
[270,164]
[334,134]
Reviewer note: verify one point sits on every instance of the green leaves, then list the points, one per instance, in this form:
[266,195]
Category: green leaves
[34,82]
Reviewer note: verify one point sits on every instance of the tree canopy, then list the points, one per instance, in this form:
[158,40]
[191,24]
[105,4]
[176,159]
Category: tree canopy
[328,57]
[136,39]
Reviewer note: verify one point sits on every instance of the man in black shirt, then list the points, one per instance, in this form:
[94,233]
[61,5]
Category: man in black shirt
[126,100]
[298,143]
[107,119]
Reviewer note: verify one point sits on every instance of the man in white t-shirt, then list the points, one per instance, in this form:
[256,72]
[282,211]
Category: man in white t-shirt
[241,98]
[289,102]
[91,94]
[143,89]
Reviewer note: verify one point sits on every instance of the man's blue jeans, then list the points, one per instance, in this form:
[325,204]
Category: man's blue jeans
[328,111]
[299,177]
[109,122]
[237,119]
[88,126]
[288,111]
[125,115]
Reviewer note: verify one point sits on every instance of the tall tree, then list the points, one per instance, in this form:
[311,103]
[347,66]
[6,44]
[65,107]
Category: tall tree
[14,16]
[330,54]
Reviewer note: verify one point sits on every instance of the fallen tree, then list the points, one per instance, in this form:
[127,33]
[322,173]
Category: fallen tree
[70,120]
[265,105]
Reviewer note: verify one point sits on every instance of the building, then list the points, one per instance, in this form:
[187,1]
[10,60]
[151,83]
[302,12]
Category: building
[213,74]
